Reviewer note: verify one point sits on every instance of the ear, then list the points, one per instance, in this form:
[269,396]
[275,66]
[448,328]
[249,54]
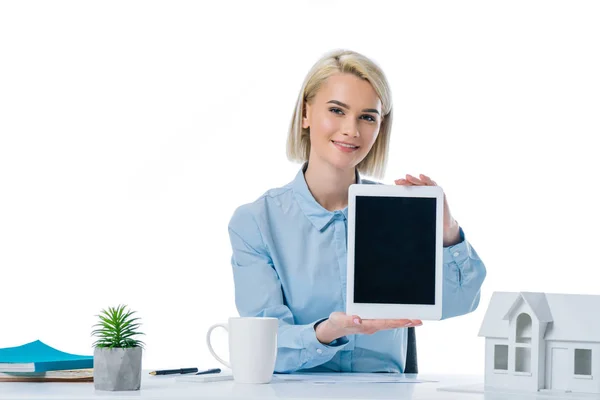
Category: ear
[305,115]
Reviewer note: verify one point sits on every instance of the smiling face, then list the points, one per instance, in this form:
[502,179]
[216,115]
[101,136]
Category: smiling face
[344,119]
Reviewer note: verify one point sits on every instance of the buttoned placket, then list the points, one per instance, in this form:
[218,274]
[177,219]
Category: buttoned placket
[340,226]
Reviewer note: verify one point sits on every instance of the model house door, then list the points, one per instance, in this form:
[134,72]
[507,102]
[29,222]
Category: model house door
[561,369]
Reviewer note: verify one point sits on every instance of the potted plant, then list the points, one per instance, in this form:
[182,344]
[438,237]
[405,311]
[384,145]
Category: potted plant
[117,355]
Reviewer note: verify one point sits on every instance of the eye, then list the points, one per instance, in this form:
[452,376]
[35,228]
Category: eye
[335,110]
[371,119]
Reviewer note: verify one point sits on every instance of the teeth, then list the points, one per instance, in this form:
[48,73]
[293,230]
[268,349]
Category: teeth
[346,145]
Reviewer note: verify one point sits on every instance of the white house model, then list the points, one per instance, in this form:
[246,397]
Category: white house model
[542,341]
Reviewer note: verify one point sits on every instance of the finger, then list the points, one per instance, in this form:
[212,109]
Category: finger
[369,326]
[413,180]
[397,323]
[380,324]
[427,180]
[403,182]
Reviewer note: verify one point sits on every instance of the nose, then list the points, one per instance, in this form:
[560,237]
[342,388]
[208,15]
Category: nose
[350,128]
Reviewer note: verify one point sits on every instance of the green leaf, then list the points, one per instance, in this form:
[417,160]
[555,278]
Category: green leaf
[116,328]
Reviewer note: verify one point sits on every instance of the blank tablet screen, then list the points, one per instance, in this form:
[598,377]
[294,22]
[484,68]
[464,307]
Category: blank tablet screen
[394,250]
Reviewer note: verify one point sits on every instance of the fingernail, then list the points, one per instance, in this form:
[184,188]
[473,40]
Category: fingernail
[356,321]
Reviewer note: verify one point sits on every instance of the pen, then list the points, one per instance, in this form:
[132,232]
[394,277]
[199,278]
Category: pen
[209,371]
[174,371]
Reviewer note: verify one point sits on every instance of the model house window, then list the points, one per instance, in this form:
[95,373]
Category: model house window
[523,359]
[501,357]
[523,328]
[523,344]
[583,362]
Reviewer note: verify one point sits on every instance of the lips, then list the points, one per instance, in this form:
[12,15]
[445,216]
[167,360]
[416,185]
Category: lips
[345,147]
[348,145]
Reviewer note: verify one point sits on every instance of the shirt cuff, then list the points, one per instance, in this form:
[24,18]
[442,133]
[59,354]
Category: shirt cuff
[458,252]
[316,349]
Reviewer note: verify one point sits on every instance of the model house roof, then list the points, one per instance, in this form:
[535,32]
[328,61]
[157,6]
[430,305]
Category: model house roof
[569,316]
[538,304]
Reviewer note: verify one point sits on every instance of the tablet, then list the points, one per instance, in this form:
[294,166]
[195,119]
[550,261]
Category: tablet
[395,244]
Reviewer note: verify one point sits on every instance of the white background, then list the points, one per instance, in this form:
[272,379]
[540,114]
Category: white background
[130,131]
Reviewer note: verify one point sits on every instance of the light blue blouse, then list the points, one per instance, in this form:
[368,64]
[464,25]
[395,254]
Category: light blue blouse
[289,262]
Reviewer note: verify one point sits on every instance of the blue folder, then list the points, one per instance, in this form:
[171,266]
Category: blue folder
[39,357]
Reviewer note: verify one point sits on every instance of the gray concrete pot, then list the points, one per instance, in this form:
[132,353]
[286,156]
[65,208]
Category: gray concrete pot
[117,369]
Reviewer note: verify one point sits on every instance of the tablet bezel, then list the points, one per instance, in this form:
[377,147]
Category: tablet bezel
[395,311]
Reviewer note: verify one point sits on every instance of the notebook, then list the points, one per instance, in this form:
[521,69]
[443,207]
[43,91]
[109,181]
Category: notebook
[39,357]
[75,375]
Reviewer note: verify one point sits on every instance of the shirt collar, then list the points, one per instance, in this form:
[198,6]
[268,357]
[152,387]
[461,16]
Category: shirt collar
[316,213]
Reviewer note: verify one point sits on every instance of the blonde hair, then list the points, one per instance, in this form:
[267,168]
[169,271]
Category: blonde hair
[344,61]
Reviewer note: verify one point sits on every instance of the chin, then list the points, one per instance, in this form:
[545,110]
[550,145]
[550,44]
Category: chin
[338,160]
[343,163]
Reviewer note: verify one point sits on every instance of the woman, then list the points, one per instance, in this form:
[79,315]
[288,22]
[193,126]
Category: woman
[289,246]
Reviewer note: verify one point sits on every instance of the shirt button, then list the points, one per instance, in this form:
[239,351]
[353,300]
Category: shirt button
[319,351]
[456,253]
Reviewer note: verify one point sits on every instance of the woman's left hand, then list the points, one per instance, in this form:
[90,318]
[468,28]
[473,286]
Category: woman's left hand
[451,227]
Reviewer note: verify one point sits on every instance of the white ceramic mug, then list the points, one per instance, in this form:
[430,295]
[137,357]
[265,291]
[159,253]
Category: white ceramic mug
[252,348]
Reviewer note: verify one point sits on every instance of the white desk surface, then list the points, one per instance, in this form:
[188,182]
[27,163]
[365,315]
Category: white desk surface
[166,387]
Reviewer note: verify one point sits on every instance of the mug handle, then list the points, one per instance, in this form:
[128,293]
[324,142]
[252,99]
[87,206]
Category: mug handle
[210,348]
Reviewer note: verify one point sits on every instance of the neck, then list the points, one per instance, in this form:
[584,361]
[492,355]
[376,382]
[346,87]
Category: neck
[329,185]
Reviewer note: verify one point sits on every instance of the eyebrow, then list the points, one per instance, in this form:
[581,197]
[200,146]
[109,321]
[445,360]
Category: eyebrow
[339,103]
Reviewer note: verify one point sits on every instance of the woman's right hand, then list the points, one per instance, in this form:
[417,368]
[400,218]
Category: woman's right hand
[339,324]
